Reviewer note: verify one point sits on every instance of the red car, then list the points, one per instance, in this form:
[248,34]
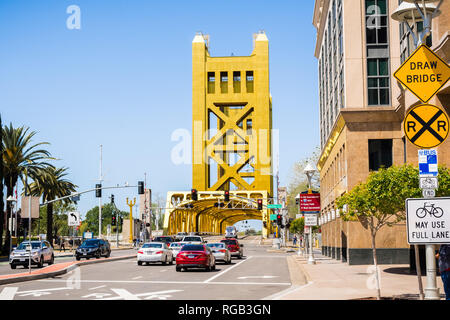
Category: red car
[195,256]
[235,248]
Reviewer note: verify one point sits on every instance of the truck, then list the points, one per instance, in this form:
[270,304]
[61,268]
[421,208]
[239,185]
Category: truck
[231,232]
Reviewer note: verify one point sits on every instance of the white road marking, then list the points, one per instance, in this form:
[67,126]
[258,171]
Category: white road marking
[96,295]
[136,278]
[8,293]
[97,287]
[279,295]
[175,282]
[258,277]
[226,270]
[124,294]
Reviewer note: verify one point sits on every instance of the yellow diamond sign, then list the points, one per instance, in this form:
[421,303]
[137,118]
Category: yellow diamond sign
[426,126]
[423,73]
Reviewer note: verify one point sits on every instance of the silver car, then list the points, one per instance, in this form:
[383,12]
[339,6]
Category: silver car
[41,252]
[220,251]
[154,252]
[175,247]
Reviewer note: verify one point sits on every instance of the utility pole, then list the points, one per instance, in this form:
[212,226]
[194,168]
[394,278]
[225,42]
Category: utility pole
[131,204]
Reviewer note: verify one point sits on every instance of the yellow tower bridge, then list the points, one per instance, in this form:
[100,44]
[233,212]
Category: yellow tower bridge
[231,142]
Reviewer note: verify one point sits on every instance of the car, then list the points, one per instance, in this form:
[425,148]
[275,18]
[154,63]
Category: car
[93,248]
[41,252]
[220,251]
[175,247]
[231,232]
[193,240]
[236,249]
[180,236]
[154,252]
[195,256]
[166,239]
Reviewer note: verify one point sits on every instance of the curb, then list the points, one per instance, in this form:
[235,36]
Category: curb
[70,267]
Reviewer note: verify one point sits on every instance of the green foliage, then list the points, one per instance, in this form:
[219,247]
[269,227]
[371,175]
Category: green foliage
[90,223]
[297,226]
[60,227]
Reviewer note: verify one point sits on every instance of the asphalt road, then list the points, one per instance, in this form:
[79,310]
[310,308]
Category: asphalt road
[258,275]
[6,269]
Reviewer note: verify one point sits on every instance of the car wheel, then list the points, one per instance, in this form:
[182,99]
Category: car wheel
[13,266]
[214,267]
[41,262]
[52,260]
[165,261]
[139,263]
[78,258]
[108,254]
[98,256]
[171,261]
[178,269]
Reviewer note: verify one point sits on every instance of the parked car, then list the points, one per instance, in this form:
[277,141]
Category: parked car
[154,252]
[165,239]
[193,240]
[180,236]
[93,248]
[41,252]
[236,249]
[195,256]
[220,251]
[175,247]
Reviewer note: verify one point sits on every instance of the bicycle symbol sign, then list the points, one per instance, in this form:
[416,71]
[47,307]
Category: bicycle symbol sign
[428,220]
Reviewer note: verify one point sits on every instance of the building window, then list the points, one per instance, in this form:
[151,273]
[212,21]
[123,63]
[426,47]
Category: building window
[249,126]
[211,82]
[378,84]
[224,82]
[380,154]
[249,81]
[237,81]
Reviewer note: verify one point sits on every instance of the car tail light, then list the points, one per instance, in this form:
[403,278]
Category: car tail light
[141,252]
[223,250]
[158,252]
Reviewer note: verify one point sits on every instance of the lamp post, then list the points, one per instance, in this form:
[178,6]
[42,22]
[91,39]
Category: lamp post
[410,11]
[309,171]
[11,200]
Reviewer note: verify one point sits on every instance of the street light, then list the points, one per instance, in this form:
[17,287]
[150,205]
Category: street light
[12,201]
[406,13]
[309,171]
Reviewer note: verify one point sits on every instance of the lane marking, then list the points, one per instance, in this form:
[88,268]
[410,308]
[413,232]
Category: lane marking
[97,287]
[8,293]
[281,294]
[175,282]
[138,277]
[226,270]
[258,277]
[124,294]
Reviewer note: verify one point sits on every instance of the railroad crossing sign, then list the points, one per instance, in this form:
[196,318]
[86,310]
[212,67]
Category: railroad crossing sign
[423,73]
[426,126]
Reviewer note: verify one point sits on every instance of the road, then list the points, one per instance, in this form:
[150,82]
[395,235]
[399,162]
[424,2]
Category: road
[258,275]
[6,269]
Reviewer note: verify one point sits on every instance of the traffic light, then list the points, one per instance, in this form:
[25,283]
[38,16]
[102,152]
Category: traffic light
[194,195]
[279,219]
[227,196]
[112,198]
[141,187]
[260,204]
[265,224]
[120,221]
[98,190]
[113,221]
[147,224]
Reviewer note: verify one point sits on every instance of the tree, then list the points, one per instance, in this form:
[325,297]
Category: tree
[50,184]
[19,156]
[380,201]
[91,220]
[298,226]
[60,226]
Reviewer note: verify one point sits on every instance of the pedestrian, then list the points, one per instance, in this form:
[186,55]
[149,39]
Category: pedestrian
[295,240]
[444,267]
[62,245]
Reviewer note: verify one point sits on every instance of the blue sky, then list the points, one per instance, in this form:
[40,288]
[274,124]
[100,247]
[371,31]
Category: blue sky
[124,81]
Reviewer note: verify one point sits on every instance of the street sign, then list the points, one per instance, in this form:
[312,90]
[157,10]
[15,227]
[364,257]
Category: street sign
[423,73]
[274,206]
[88,235]
[428,193]
[306,230]
[34,207]
[426,126]
[273,217]
[428,183]
[73,219]
[428,220]
[310,219]
[309,201]
[428,163]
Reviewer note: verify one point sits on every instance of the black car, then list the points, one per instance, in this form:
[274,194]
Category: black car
[93,248]
[165,239]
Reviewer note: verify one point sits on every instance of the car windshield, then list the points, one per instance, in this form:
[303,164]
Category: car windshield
[34,245]
[230,229]
[228,242]
[152,245]
[189,247]
[174,244]
[216,245]
[192,239]
[163,239]
[90,243]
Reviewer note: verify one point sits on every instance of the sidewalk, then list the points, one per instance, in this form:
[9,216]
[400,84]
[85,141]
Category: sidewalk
[330,279]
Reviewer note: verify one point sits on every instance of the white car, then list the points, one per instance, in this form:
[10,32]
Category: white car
[220,251]
[193,240]
[176,248]
[154,252]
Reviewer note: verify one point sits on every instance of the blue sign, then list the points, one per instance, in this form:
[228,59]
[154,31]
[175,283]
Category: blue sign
[428,165]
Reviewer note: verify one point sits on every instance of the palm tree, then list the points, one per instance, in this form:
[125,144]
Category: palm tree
[50,184]
[19,156]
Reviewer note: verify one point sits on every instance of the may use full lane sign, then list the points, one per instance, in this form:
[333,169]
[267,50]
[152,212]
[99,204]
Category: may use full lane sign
[428,220]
